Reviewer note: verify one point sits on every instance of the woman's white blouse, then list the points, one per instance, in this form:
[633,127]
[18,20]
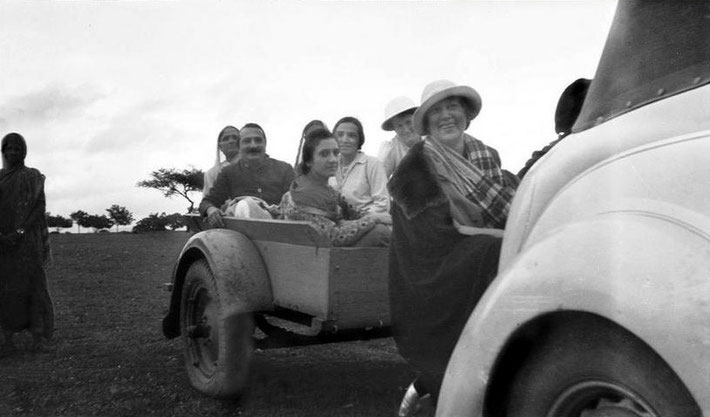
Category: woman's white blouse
[363,183]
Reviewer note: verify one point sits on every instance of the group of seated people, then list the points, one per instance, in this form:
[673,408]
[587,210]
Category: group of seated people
[345,194]
[435,195]
[335,186]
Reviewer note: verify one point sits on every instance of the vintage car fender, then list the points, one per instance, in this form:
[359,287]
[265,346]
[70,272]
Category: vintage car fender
[628,240]
[613,224]
[657,261]
[238,269]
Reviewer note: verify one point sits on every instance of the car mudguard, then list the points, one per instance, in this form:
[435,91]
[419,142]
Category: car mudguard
[655,284]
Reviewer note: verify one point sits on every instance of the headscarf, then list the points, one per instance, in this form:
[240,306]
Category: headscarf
[218,162]
[18,139]
[313,124]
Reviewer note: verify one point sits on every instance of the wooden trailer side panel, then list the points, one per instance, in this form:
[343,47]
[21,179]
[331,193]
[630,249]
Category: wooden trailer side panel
[358,293]
[299,276]
[287,231]
[342,288]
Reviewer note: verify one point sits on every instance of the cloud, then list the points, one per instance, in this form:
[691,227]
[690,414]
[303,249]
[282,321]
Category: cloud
[137,125]
[52,102]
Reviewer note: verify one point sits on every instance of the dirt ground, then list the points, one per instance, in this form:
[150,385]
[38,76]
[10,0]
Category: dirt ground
[109,357]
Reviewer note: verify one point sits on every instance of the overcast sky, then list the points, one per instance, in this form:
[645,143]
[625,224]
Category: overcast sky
[106,92]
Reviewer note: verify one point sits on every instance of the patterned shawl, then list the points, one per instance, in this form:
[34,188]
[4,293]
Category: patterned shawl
[479,194]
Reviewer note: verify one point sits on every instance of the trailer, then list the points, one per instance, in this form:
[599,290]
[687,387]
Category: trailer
[261,284]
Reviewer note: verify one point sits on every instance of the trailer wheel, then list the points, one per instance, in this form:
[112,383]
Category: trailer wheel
[217,349]
[596,369]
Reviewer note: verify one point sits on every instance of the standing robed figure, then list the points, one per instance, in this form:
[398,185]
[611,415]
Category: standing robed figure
[25,303]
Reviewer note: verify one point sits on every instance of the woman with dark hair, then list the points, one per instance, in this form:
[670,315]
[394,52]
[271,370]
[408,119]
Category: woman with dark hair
[310,198]
[312,125]
[24,248]
[360,178]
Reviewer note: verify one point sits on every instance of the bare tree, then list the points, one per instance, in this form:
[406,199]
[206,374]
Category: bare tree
[172,181]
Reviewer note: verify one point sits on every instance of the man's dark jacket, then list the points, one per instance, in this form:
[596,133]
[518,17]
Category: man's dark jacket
[267,179]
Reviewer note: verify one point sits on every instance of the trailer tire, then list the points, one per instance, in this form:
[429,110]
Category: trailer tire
[217,348]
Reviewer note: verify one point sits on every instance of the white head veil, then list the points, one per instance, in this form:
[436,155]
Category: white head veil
[218,157]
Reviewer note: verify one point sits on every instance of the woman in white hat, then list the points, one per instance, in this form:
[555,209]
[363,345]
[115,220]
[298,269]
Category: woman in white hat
[448,183]
[399,114]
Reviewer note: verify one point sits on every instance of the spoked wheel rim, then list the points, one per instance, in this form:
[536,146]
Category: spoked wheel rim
[600,399]
[201,329]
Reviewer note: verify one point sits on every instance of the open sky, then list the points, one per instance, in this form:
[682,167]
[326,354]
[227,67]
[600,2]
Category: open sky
[106,92]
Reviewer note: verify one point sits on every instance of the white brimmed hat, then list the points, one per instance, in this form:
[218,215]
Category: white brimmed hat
[397,105]
[436,91]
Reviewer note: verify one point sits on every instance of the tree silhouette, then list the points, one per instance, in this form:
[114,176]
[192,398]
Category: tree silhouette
[58,222]
[174,221]
[172,181]
[97,222]
[79,217]
[120,215]
[153,223]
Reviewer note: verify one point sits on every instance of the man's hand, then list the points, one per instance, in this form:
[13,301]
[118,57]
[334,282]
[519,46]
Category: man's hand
[214,217]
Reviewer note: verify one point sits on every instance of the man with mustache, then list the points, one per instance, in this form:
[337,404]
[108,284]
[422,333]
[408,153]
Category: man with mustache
[254,174]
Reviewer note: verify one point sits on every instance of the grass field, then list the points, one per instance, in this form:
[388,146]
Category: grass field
[109,357]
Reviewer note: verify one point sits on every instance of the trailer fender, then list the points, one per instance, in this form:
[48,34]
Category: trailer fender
[238,270]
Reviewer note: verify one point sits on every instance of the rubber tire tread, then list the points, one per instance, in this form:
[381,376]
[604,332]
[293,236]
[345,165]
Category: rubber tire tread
[235,343]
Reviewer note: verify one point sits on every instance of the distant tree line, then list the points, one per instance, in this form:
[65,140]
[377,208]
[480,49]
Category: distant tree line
[117,216]
[169,181]
[157,222]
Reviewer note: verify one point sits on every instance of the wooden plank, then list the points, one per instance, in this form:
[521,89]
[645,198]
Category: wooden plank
[285,231]
[358,292]
[299,276]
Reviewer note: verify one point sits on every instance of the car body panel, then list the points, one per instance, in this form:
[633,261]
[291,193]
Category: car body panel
[630,288]
[614,221]
[677,118]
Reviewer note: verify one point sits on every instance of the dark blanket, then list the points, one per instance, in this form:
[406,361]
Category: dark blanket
[436,275]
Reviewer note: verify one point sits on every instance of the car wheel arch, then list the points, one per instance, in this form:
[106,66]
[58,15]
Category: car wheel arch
[519,346]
